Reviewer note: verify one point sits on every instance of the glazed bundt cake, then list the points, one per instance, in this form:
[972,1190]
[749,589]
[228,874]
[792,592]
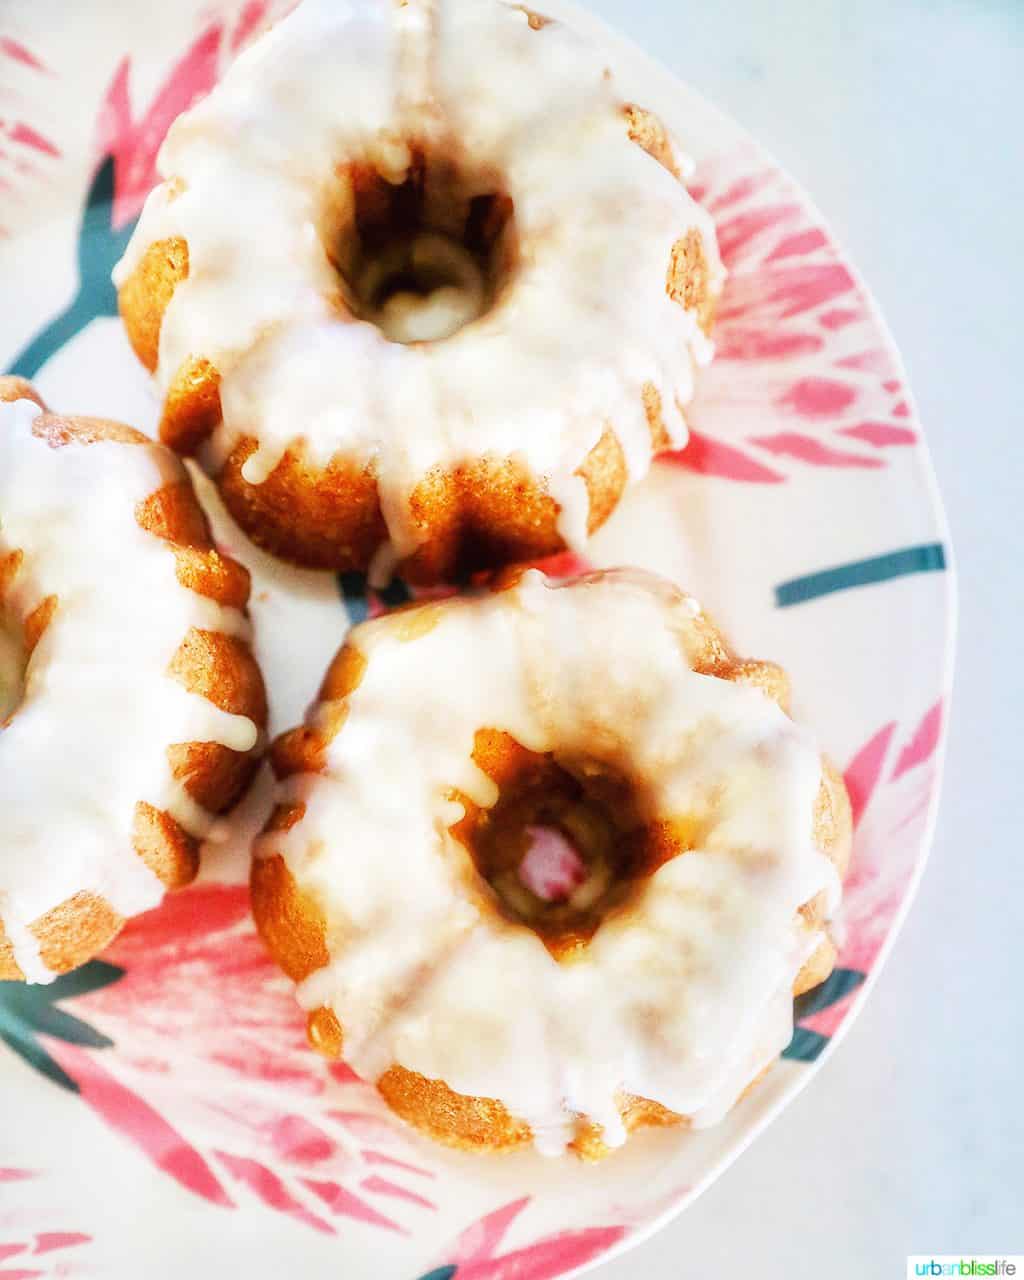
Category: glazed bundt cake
[131,707]
[419,288]
[600,723]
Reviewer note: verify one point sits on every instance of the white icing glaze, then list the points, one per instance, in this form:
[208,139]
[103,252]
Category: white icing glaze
[683,996]
[567,347]
[89,737]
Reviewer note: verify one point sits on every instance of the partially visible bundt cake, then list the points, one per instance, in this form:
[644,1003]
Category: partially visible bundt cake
[694,837]
[131,707]
[420,289]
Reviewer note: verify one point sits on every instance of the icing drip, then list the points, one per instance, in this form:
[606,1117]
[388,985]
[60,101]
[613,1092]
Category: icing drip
[89,737]
[564,345]
[684,993]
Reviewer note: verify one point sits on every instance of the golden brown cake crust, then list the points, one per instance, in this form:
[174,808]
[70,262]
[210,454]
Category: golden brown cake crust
[76,929]
[292,923]
[212,665]
[484,513]
[8,965]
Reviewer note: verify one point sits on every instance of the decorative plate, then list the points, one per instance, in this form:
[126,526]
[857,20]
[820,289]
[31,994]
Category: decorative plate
[162,1115]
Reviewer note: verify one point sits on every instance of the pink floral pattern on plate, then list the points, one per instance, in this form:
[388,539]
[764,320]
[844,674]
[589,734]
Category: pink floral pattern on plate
[475,1253]
[213,1081]
[797,347]
[36,1242]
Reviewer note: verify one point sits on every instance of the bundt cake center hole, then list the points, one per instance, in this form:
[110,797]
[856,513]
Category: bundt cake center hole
[421,253]
[12,670]
[552,868]
[562,847]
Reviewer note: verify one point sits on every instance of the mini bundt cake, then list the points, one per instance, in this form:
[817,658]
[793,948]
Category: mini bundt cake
[131,706]
[419,288]
[694,841]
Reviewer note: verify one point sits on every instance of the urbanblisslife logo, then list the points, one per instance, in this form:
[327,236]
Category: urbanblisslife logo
[953,1264]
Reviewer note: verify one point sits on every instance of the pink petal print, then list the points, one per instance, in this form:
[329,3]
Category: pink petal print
[249,22]
[16,50]
[818,397]
[268,1188]
[923,743]
[348,1205]
[343,1073]
[892,386]
[713,458]
[547,1258]
[877,882]
[194,75]
[791,444]
[902,410]
[871,902]
[865,769]
[736,343]
[788,292]
[133,1117]
[377,1185]
[205,1024]
[805,288]
[787,296]
[114,121]
[798,244]
[16,1175]
[742,189]
[50,1241]
[369,1127]
[381,1158]
[838,318]
[880,434]
[29,137]
[296,1141]
[260,1062]
[874,360]
[134,144]
[482,1239]
[735,234]
[35,1245]
[872,897]
[828,1021]
[175,928]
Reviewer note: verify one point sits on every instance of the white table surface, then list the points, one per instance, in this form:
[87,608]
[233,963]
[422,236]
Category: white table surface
[904,121]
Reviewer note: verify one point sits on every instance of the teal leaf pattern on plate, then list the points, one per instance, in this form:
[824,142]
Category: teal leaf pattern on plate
[28,1012]
[100,247]
[807,1044]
